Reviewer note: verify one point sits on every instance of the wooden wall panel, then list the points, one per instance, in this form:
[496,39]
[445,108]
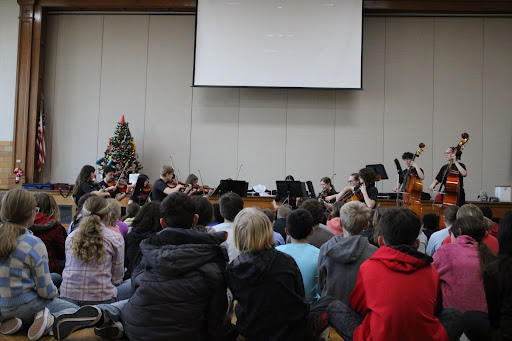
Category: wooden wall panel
[497,104]
[215,134]
[169,94]
[310,127]
[458,60]
[359,113]
[77,95]
[262,136]
[409,94]
[123,78]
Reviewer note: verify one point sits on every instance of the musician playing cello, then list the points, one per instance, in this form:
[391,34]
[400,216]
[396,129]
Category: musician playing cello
[441,177]
[415,169]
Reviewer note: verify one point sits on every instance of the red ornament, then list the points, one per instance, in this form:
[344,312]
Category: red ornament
[122,120]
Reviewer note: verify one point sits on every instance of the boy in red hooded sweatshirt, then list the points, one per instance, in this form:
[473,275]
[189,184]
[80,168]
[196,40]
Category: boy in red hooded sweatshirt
[397,294]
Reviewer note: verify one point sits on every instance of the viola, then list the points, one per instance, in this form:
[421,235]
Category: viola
[412,187]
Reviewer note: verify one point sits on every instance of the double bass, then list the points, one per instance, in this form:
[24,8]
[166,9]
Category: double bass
[412,187]
[452,185]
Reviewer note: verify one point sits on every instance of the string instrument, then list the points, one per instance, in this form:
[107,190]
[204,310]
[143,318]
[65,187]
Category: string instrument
[356,194]
[122,185]
[452,185]
[412,187]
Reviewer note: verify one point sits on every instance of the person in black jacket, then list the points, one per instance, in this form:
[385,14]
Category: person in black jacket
[145,224]
[179,286]
[498,284]
[268,286]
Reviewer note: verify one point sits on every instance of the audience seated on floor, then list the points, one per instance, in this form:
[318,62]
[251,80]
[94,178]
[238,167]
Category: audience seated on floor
[460,265]
[229,204]
[94,259]
[321,233]
[299,225]
[498,284]
[436,239]
[341,257]
[204,210]
[280,222]
[396,285]
[267,285]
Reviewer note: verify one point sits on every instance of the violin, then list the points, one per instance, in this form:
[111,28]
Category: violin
[412,187]
[124,186]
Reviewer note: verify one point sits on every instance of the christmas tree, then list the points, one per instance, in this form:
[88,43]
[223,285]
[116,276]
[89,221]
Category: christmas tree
[121,152]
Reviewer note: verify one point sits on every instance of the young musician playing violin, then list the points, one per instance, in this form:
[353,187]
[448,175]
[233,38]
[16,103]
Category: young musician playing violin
[327,190]
[441,177]
[141,191]
[85,184]
[110,184]
[161,188]
[416,170]
[365,191]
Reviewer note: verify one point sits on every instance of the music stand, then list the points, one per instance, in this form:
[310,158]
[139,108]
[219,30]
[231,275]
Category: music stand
[237,186]
[291,189]
[379,170]
[312,193]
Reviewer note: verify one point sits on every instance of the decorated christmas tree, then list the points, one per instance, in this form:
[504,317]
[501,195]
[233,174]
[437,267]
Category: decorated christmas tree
[121,152]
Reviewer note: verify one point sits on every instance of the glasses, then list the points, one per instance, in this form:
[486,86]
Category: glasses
[351,181]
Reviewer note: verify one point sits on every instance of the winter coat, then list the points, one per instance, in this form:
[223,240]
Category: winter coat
[498,293]
[53,235]
[179,288]
[338,265]
[270,293]
[397,293]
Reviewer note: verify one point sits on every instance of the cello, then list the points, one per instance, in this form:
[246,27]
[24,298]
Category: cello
[412,187]
[452,185]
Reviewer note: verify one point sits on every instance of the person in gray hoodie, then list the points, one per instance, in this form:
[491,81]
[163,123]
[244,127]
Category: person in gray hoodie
[341,257]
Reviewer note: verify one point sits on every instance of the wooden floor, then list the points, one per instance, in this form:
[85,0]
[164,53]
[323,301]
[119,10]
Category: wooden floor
[88,335]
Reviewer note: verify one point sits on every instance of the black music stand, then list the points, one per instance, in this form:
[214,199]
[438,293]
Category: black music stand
[237,186]
[379,170]
[311,189]
[291,189]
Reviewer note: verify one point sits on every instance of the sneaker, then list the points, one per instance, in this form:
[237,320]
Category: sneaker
[10,326]
[42,324]
[66,324]
[113,331]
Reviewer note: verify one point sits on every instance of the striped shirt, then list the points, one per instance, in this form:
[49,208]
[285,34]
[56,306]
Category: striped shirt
[25,274]
[93,281]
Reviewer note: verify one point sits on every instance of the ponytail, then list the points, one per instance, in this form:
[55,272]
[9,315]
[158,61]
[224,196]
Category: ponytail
[474,228]
[17,209]
[87,242]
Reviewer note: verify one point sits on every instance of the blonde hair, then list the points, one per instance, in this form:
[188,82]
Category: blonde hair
[87,242]
[355,216]
[115,211]
[18,206]
[48,205]
[489,224]
[252,231]
[167,170]
[470,210]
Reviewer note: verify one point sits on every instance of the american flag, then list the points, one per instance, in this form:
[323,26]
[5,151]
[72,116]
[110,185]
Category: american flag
[40,140]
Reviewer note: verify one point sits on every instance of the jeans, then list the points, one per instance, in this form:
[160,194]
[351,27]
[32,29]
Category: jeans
[56,279]
[27,311]
[345,320]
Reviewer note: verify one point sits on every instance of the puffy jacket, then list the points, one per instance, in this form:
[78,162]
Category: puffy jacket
[179,288]
[53,235]
[132,253]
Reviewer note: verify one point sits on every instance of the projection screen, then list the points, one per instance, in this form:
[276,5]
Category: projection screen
[270,43]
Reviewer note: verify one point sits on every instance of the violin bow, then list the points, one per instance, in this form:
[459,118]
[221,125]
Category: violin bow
[120,175]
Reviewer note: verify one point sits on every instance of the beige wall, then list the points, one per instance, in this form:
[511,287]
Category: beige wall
[424,79]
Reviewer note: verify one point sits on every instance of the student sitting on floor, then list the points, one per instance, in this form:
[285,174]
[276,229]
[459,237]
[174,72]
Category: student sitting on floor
[299,225]
[341,257]
[397,290]
[180,287]
[27,293]
[268,286]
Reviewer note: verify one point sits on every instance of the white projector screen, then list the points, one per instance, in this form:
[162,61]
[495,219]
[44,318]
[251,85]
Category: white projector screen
[272,43]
